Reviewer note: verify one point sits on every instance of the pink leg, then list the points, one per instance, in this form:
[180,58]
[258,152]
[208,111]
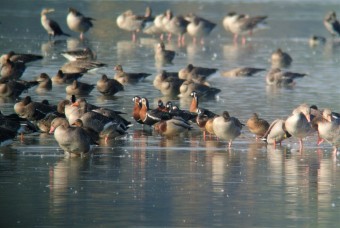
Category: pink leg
[182,39]
[301,144]
[229,144]
[133,36]
[81,36]
[235,38]
[243,40]
[202,41]
[161,37]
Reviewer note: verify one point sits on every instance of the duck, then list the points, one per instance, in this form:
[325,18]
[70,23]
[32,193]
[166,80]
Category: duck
[276,133]
[227,127]
[156,26]
[52,27]
[93,134]
[332,24]
[125,78]
[242,72]
[176,25]
[329,129]
[257,126]
[6,136]
[204,121]
[14,88]
[77,22]
[108,86]
[167,84]
[202,90]
[73,140]
[44,124]
[11,70]
[14,123]
[277,77]
[199,27]
[240,24]
[298,124]
[191,72]
[163,56]
[79,54]
[151,116]
[79,88]
[137,106]
[45,82]
[61,77]
[20,57]
[194,106]
[174,110]
[94,117]
[80,66]
[172,127]
[31,110]
[131,22]
[316,40]
[280,59]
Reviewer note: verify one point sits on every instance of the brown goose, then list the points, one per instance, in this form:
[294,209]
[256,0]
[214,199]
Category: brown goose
[242,72]
[124,77]
[19,57]
[45,82]
[280,59]
[191,72]
[202,90]
[31,110]
[12,70]
[332,24]
[11,88]
[108,86]
[168,83]
[80,66]
[79,88]
[163,56]
[79,54]
[278,77]
[73,140]
[61,77]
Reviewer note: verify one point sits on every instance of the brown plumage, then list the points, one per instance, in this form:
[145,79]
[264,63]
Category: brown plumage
[257,125]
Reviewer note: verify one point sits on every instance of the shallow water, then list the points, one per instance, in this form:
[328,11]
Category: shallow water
[147,180]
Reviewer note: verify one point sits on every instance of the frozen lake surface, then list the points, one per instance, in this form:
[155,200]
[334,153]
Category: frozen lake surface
[147,180]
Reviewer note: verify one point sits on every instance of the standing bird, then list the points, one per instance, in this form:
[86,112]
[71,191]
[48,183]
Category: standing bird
[257,125]
[73,140]
[199,28]
[176,25]
[52,27]
[298,124]
[276,132]
[332,24]
[227,127]
[131,22]
[240,24]
[77,22]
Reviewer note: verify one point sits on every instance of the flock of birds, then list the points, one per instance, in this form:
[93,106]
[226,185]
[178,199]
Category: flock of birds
[77,124]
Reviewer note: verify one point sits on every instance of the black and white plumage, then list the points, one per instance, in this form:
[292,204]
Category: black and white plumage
[151,116]
[52,27]
[332,24]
